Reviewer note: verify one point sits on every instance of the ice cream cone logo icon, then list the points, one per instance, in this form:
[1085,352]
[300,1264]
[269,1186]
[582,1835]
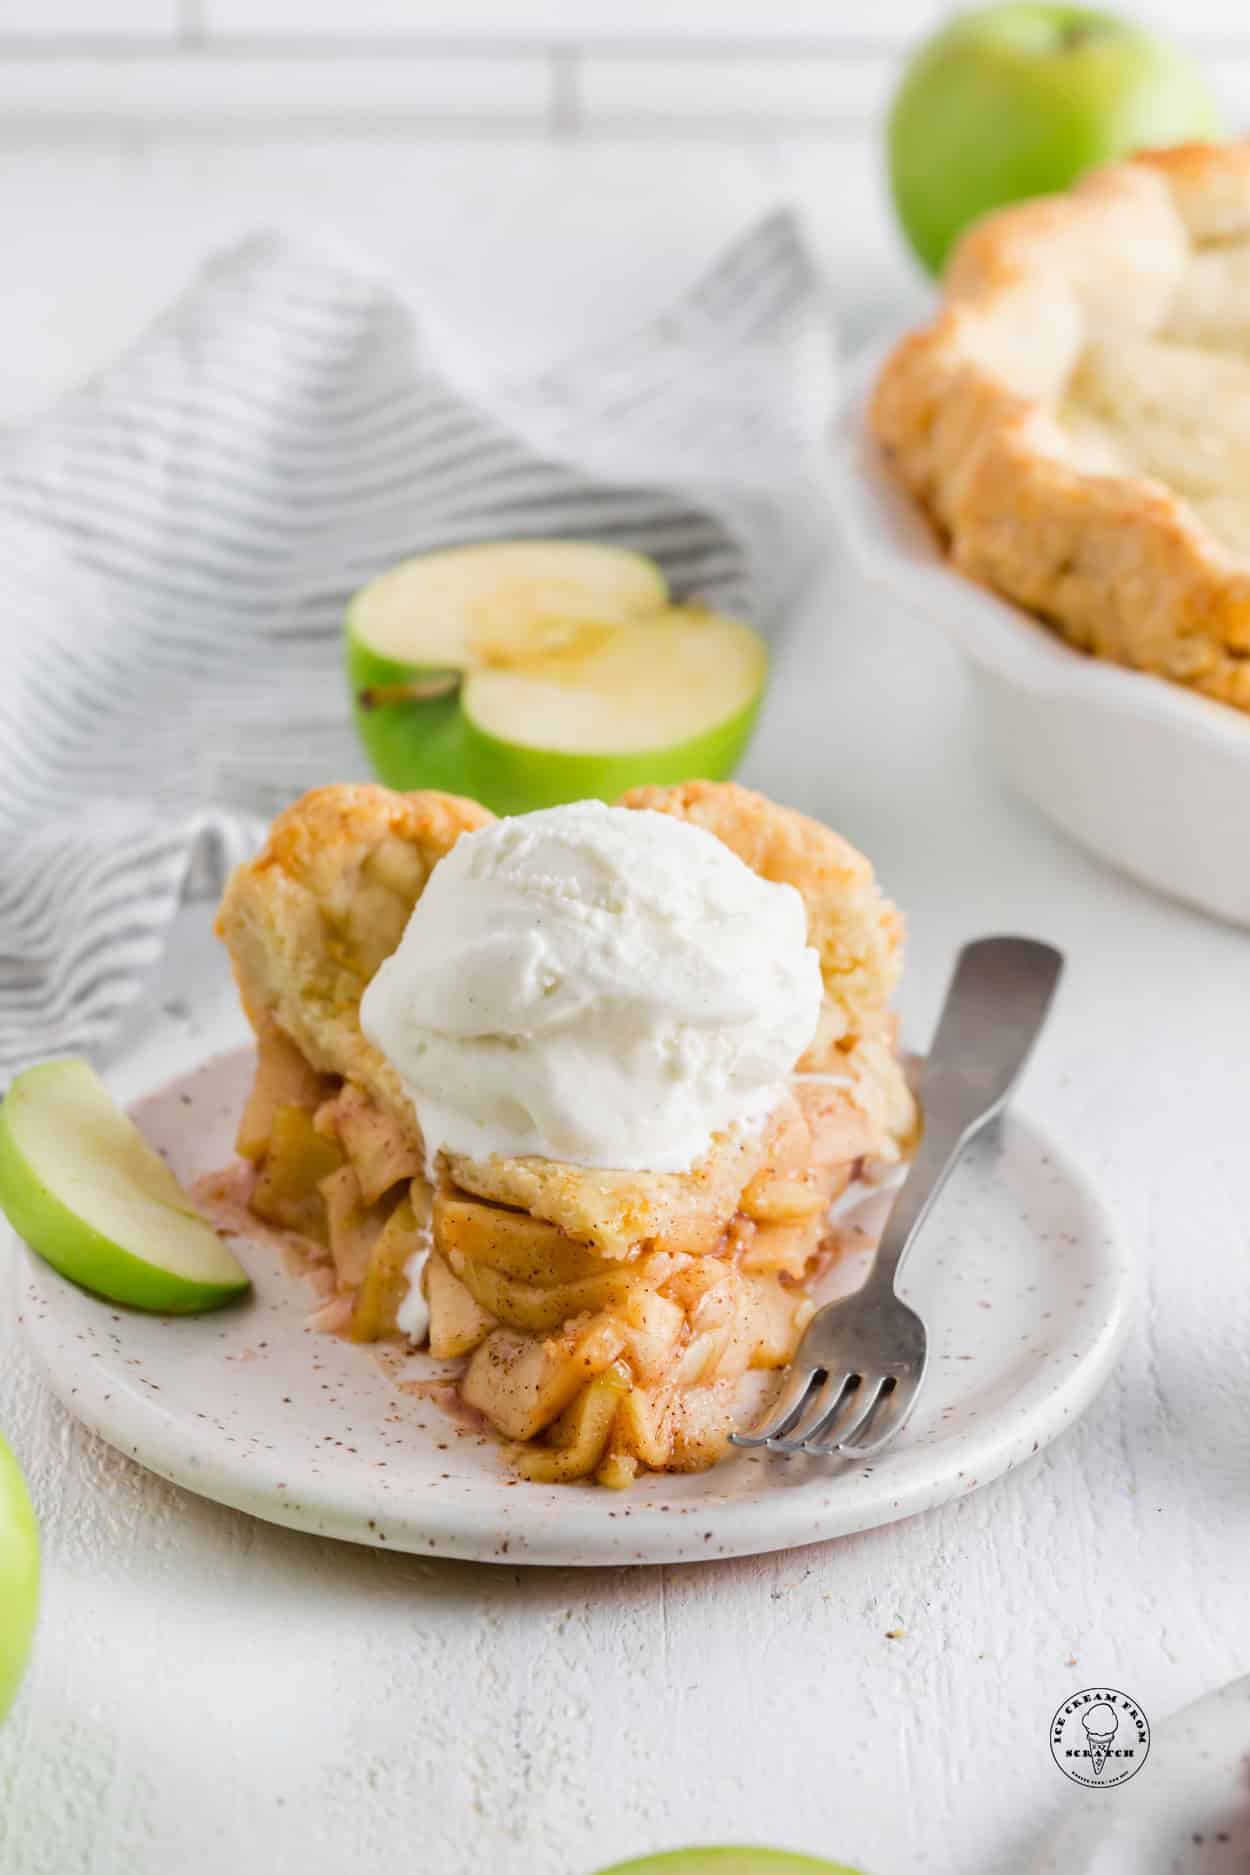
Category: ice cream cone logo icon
[1100,1737]
[1101,1726]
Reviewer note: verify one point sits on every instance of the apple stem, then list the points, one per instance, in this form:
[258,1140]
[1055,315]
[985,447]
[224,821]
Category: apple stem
[420,690]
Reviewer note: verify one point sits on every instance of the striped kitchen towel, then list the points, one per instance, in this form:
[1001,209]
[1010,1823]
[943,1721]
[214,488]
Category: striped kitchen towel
[178,540]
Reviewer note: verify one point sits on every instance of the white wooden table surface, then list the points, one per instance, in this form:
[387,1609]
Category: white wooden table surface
[209,1693]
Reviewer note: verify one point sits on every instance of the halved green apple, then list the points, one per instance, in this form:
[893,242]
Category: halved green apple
[80,1183]
[728,1861]
[526,673]
[19,1576]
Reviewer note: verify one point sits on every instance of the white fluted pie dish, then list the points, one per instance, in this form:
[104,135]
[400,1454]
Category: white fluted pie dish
[1150,776]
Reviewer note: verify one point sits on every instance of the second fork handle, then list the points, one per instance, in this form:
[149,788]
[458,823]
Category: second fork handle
[995,1005]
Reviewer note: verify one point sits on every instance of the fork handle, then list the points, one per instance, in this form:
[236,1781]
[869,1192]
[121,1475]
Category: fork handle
[996,1003]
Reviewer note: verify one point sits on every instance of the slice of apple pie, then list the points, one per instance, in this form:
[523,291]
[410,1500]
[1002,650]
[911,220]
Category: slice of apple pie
[605,1311]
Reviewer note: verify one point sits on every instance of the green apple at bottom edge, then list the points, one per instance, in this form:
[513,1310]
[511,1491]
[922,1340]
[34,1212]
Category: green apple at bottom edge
[728,1861]
[1019,100]
[81,1185]
[527,673]
[19,1577]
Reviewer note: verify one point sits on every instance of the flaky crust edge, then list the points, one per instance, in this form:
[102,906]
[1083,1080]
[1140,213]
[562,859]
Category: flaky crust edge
[1120,566]
[282,913]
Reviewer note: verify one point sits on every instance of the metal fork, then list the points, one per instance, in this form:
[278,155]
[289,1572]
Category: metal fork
[858,1370]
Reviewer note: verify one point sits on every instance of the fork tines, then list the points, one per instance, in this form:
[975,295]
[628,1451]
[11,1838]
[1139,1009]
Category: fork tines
[822,1413]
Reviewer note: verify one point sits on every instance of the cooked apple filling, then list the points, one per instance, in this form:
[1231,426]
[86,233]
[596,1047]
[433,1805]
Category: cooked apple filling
[605,1318]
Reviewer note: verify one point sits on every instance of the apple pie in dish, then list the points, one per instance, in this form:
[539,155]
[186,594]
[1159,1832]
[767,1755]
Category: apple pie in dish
[604,1318]
[1076,418]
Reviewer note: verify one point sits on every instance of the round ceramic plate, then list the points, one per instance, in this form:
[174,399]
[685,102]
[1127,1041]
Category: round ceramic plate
[1018,1277]
[1186,1813]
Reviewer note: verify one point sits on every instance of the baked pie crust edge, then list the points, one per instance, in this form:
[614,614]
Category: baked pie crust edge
[967,410]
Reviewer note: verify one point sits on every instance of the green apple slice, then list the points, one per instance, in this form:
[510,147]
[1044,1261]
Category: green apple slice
[728,1861]
[667,699]
[528,673]
[80,1183]
[446,611]
[414,631]
[19,1576]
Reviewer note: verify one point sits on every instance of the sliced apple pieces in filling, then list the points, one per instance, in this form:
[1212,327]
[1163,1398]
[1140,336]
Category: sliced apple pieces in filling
[382,1153]
[283,1079]
[288,1188]
[458,1324]
[578,1439]
[610,1365]
[384,1284]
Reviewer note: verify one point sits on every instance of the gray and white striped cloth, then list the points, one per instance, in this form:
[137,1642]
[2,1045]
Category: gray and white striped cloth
[178,540]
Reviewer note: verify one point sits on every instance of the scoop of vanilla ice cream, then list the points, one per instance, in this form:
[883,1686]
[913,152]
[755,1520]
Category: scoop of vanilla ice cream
[596,984]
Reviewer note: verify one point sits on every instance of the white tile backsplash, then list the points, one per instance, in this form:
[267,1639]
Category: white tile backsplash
[751,89]
[637,24]
[576,22]
[413,94]
[558,64]
[1220,20]
[89,19]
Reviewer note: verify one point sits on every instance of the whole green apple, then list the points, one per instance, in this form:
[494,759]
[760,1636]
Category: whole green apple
[19,1577]
[1019,100]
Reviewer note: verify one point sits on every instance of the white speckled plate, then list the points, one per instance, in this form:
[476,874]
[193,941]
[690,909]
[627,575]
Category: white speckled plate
[1023,1288]
[1187,1812]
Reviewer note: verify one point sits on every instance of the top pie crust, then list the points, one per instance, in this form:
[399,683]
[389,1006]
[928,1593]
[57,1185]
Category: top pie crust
[1076,418]
[308,921]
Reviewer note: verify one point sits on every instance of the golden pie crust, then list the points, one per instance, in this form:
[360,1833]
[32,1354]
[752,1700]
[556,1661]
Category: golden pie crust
[1075,420]
[606,1317]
